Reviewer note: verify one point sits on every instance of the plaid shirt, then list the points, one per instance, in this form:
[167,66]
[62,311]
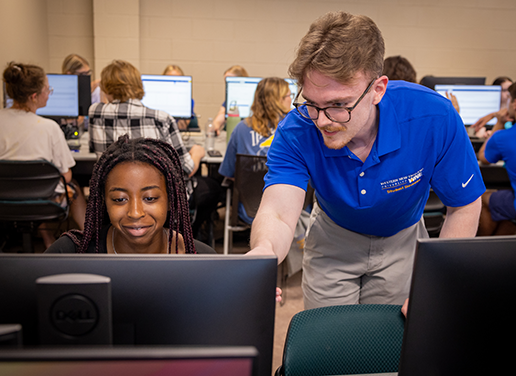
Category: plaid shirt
[112,120]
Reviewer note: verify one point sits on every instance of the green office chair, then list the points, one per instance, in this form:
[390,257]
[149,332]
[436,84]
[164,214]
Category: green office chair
[343,340]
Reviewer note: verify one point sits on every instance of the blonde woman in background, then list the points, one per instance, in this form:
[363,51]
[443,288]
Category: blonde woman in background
[75,64]
[254,134]
[220,118]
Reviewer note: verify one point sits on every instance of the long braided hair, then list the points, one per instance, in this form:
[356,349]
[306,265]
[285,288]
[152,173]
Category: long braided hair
[156,153]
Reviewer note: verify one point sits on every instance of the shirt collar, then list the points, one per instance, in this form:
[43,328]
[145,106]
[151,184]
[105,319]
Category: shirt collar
[132,101]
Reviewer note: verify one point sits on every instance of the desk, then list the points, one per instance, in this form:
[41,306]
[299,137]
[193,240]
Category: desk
[84,160]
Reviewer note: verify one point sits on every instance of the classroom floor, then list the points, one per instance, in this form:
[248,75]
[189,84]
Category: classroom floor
[292,300]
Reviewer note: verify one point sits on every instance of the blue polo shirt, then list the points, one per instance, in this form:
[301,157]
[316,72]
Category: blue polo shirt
[502,146]
[421,143]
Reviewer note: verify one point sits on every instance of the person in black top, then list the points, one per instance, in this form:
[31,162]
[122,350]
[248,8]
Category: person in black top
[137,204]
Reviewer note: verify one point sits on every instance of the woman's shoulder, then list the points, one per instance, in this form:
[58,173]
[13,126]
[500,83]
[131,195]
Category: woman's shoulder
[64,244]
[202,248]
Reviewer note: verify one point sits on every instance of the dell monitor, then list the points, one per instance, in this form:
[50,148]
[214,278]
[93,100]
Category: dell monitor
[461,316]
[475,101]
[431,81]
[172,94]
[183,300]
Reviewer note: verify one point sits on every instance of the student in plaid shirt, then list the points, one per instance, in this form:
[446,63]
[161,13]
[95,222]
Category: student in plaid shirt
[125,114]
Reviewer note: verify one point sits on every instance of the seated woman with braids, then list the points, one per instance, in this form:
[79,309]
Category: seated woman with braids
[137,203]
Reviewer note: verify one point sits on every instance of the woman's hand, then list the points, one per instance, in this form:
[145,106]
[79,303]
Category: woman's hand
[404,308]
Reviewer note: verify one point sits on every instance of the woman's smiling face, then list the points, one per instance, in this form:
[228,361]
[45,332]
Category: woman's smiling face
[137,205]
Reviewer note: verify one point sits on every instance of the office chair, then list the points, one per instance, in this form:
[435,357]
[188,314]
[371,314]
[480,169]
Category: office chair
[433,214]
[343,340]
[247,189]
[495,177]
[26,189]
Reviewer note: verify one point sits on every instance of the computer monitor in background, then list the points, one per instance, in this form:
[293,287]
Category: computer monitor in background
[84,94]
[7,101]
[461,315]
[204,300]
[475,101]
[64,101]
[172,94]
[292,84]
[240,91]
[134,361]
[431,81]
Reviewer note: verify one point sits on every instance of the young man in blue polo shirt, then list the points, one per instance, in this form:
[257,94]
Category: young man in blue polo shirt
[372,150]
[499,207]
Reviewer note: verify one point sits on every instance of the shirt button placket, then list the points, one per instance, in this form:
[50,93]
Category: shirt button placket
[362,190]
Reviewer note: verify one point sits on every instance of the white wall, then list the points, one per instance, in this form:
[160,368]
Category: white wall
[205,37]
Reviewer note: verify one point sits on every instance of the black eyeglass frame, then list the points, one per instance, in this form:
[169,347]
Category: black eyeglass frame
[348,109]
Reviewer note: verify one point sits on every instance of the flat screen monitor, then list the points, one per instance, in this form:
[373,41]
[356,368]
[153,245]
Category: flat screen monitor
[172,94]
[461,315]
[64,101]
[203,300]
[475,101]
[240,91]
[431,81]
[133,361]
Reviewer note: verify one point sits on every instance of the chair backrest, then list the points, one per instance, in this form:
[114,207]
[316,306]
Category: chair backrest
[342,340]
[26,191]
[28,180]
[495,177]
[248,186]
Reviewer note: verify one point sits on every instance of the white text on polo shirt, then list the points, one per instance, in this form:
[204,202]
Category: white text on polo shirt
[404,182]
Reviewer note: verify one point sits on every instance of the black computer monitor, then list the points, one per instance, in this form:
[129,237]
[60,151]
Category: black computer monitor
[207,300]
[240,92]
[84,94]
[172,94]
[133,361]
[64,101]
[431,81]
[461,315]
[475,101]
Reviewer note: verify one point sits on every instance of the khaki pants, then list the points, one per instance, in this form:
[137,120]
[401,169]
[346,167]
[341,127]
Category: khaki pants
[345,267]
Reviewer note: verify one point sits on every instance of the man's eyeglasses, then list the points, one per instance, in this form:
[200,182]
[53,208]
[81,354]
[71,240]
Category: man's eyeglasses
[336,114]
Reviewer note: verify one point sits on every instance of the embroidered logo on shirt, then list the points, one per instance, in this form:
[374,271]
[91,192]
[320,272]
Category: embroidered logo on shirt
[401,183]
[466,183]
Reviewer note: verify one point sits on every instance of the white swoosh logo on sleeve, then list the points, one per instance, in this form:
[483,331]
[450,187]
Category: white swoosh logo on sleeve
[466,183]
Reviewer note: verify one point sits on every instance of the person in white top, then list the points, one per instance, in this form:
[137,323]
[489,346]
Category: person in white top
[26,136]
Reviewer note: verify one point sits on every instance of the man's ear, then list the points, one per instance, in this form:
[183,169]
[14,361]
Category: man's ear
[379,89]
